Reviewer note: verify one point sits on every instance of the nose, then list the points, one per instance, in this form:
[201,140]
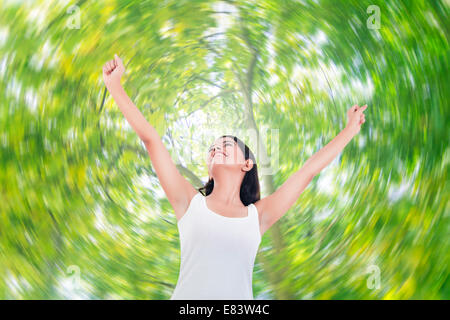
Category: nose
[216,149]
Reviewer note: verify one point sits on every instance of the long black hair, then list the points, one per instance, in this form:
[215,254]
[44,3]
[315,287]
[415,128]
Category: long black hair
[250,190]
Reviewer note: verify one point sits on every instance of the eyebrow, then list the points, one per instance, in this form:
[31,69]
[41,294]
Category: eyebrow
[225,141]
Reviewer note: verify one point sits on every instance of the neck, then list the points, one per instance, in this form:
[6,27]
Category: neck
[227,188]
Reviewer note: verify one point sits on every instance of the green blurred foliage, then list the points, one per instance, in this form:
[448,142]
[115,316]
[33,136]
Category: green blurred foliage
[82,214]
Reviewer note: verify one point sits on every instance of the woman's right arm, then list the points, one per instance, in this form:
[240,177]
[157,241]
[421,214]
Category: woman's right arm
[178,190]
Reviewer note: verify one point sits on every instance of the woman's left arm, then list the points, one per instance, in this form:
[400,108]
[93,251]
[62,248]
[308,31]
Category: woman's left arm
[274,206]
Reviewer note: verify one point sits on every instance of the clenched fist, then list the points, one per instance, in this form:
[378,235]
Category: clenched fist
[112,71]
[356,118]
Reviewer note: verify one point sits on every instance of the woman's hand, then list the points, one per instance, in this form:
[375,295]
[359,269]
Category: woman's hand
[112,72]
[355,118]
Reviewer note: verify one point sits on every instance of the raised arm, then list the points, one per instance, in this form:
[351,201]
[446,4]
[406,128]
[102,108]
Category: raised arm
[274,206]
[178,190]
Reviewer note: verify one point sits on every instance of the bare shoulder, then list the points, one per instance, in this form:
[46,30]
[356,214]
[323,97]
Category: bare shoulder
[260,208]
[181,208]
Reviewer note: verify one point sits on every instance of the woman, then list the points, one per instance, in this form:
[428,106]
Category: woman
[221,224]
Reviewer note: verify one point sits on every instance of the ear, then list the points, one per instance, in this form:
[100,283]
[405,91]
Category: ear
[248,165]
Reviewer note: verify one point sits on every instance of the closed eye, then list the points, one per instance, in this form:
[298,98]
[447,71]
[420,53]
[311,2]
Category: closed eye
[225,144]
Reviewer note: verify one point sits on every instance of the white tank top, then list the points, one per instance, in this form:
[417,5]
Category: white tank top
[217,253]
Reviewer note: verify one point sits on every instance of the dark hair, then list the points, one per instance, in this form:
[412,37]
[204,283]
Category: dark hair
[250,190]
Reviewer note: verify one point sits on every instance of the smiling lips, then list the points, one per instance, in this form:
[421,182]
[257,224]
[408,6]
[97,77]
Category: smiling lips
[220,153]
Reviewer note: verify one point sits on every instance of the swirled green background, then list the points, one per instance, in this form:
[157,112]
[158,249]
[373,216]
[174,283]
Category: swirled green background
[82,214]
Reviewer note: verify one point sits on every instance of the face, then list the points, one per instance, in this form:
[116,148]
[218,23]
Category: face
[226,152]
